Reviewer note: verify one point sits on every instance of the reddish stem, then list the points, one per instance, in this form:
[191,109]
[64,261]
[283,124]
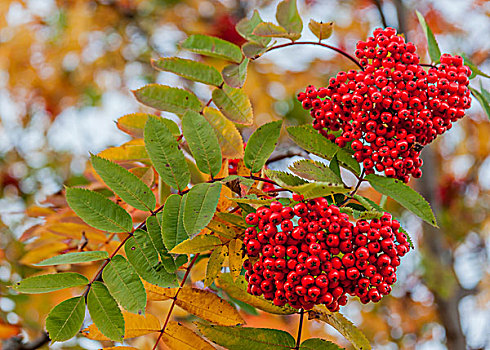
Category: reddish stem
[340,51]
[188,270]
[108,260]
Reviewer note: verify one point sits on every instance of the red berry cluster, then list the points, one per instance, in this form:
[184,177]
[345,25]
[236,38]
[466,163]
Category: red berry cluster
[312,254]
[391,108]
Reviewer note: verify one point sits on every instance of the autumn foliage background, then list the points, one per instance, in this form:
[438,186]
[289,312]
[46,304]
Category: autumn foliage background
[66,71]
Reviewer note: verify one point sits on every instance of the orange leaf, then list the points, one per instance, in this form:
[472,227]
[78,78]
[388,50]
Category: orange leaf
[8,330]
[178,337]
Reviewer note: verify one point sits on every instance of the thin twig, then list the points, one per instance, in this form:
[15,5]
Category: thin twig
[340,51]
[300,328]
[379,6]
[188,270]
[286,155]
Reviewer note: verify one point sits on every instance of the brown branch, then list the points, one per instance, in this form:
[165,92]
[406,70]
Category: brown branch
[379,6]
[438,250]
[288,154]
[340,51]
[15,343]
[188,270]
[300,328]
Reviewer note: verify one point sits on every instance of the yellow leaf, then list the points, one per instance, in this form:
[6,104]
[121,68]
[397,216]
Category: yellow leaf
[214,265]
[320,29]
[135,326]
[157,293]
[343,325]
[241,169]
[132,150]
[235,257]
[208,306]
[75,230]
[120,348]
[178,337]
[47,250]
[133,124]
[229,137]
[223,229]
[198,273]
[145,174]
[197,244]
[36,211]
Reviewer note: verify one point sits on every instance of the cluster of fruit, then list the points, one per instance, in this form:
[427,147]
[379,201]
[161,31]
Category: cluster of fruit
[393,107]
[312,254]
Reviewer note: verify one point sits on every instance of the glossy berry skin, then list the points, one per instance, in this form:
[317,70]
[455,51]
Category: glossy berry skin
[315,255]
[391,108]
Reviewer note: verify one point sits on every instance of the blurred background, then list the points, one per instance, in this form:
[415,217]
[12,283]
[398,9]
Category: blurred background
[67,68]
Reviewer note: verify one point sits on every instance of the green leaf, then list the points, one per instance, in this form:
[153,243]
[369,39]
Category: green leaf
[189,69]
[433,47]
[134,124]
[74,258]
[213,47]
[239,338]
[200,206]
[155,234]
[125,285]
[98,211]
[271,30]
[368,203]
[321,30]
[154,226]
[343,325]
[234,104]
[203,142]
[125,184]
[232,219]
[50,282]
[404,195]
[284,177]
[316,189]
[198,244]
[238,290]
[318,344]
[105,312]
[261,144]
[474,69]
[288,17]
[173,229]
[246,27]
[252,50]
[164,152]
[144,258]
[168,99]
[314,170]
[312,141]
[484,102]
[235,74]
[229,137]
[334,166]
[65,319]
[409,239]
